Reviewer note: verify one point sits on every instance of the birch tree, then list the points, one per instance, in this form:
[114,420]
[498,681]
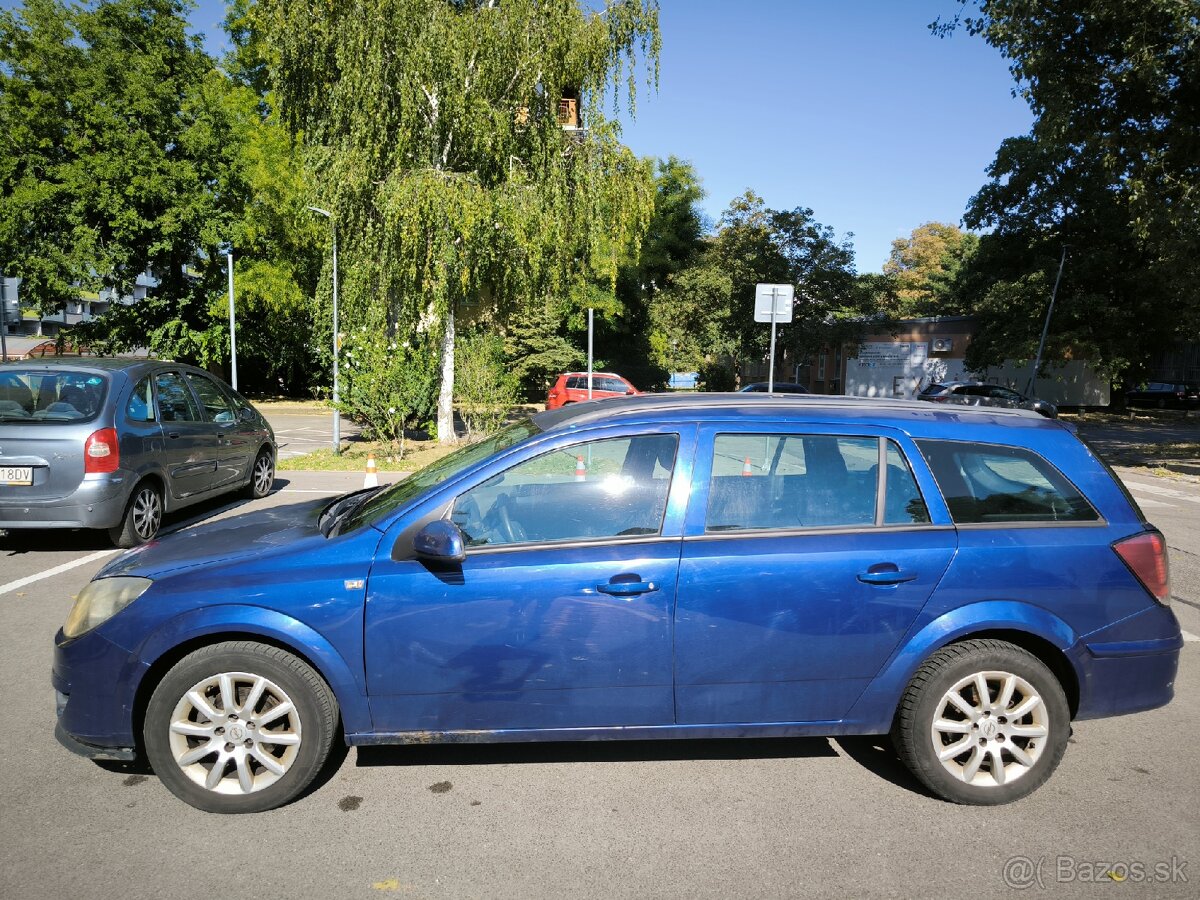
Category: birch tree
[434,135]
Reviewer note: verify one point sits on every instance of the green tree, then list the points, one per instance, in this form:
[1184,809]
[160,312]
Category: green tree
[126,151]
[925,269]
[707,311]
[435,139]
[1110,169]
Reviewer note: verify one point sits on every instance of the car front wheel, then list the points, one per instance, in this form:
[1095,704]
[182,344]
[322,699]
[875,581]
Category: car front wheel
[982,722]
[239,727]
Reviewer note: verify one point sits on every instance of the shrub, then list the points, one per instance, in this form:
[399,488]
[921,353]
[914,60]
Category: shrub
[388,386]
[485,387]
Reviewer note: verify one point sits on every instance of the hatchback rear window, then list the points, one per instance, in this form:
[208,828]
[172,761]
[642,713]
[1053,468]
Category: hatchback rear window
[35,395]
[988,483]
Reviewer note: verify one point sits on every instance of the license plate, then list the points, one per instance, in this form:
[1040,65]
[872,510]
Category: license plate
[16,475]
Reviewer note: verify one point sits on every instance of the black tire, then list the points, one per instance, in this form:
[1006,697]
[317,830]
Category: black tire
[309,727]
[142,517]
[993,738]
[262,475]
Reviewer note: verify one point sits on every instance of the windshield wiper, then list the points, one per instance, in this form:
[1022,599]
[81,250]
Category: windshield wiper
[335,513]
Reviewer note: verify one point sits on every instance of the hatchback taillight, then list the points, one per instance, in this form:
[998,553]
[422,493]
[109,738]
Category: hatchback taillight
[1146,556]
[101,453]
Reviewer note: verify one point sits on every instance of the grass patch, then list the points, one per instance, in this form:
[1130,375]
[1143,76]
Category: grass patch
[353,458]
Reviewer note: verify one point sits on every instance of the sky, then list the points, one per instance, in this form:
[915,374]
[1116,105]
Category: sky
[849,107]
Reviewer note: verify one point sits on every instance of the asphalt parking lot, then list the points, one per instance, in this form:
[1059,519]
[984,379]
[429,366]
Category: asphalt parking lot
[759,818]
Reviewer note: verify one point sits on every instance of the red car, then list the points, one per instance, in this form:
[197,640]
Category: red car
[572,387]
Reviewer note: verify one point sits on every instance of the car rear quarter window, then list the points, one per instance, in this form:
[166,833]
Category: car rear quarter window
[903,503]
[140,407]
[986,484]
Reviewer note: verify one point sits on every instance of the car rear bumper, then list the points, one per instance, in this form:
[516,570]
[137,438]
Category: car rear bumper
[96,503]
[1129,666]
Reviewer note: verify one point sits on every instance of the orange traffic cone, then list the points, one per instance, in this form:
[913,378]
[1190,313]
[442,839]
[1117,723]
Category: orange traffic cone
[372,477]
[580,469]
[747,469]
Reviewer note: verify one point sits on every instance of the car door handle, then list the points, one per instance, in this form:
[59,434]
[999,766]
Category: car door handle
[889,575]
[627,588]
[173,434]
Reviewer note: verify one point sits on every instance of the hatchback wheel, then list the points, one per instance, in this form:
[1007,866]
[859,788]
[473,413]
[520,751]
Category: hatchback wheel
[143,517]
[262,476]
[239,727]
[982,722]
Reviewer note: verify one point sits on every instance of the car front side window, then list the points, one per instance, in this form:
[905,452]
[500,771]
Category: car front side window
[602,489]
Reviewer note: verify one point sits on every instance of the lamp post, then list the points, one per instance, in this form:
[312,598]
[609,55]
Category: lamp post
[232,321]
[337,424]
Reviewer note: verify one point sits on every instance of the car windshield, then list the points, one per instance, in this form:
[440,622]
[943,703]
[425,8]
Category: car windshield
[34,395]
[392,498]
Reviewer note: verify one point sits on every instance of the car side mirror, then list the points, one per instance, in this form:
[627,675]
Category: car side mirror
[440,541]
[245,414]
[629,393]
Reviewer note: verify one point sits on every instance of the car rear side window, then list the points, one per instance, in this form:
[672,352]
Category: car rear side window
[175,401]
[762,481]
[992,484]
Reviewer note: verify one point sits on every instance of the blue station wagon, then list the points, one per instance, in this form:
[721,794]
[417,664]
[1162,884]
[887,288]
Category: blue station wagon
[965,580]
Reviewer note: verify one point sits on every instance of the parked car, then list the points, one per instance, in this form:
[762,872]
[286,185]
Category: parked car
[704,565]
[1165,395]
[114,444]
[572,387]
[779,387]
[975,393]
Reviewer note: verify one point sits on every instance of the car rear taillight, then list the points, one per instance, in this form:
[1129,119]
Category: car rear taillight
[101,453]
[1146,556]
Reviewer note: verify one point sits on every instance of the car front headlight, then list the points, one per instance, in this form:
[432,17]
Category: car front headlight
[100,601]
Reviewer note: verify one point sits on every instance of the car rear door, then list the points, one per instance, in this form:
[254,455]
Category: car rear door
[234,438]
[189,442]
[801,570]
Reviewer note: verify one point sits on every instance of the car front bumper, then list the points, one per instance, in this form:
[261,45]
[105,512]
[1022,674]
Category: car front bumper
[95,684]
[98,502]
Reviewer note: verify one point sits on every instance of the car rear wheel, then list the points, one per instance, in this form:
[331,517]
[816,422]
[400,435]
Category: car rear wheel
[239,727]
[262,476]
[982,722]
[142,519]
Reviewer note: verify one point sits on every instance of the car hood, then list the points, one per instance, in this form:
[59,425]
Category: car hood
[256,534]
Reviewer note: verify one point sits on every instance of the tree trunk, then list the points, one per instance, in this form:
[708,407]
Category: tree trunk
[445,407]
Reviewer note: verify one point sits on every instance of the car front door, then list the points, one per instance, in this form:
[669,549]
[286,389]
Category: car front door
[560,615]
[800,572]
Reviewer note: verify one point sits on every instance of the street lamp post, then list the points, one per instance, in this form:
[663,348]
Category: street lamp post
[232,322]
[337,423]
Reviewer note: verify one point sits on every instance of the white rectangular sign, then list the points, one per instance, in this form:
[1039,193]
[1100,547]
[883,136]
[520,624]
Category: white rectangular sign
[778,295]
[892,353]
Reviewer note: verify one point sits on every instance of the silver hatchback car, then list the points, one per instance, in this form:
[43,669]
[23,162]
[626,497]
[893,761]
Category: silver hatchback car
[116,443]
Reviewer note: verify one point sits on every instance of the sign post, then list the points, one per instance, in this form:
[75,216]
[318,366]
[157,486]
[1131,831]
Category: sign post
[773,303]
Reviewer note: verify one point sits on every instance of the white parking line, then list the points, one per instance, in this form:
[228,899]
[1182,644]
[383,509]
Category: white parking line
[1139,487]
[57,570]
[1188,636]
[1147,503]
[83,561]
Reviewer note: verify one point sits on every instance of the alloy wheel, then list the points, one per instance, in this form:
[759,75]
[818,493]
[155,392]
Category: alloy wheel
[990,728]
[235,733]
[147,513]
